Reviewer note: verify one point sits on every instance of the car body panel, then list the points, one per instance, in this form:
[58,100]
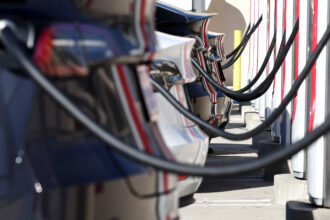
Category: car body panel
[58,163]
[216,40]
[186,141]
[177,50]
[176,21]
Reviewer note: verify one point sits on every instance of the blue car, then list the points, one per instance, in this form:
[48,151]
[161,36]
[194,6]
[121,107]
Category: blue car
[52,167]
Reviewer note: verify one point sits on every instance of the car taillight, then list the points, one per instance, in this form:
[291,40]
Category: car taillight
[214,120]
[182,177]
[59,52]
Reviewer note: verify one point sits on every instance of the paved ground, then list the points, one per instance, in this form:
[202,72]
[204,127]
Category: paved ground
[242,197]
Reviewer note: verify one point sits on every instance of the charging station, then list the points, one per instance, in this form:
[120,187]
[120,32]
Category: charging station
[291,97]
[288,71]
[262,53]
[299,116]
[251,43]
[318,154]
[271,31]
[277,92]
[256,49]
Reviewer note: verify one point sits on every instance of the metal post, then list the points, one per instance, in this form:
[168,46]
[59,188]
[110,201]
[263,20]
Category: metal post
[317,165]
[299,113]
[198,5]
[253,47]
[252,44]
[327,147]
[256,51]
[287,75]
[237,65]
[271,29]
[263,51]
[279,8]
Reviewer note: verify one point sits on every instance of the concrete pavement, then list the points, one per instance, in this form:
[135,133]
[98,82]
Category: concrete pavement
[242,197]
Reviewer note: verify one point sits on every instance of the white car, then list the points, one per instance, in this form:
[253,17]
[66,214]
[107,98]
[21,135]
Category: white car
[186,141]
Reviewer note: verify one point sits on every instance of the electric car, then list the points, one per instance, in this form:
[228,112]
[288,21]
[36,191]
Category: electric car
[176,21]
[208,103]
[52,166]
[172,68]
[215,56]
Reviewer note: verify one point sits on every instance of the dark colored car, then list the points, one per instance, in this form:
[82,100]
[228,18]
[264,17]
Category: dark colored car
[52,167]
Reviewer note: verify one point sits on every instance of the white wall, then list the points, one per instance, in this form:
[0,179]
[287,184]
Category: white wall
[185,4]
[232,15]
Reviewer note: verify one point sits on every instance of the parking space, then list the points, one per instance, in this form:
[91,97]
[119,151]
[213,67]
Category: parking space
[241,197]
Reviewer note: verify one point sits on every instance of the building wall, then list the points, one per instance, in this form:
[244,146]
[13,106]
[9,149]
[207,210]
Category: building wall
[233,15]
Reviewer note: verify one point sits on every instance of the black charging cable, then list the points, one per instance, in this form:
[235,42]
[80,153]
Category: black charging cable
[239,52]
[262,68]
[245,39]
[263,87]
[12,46]
[239,47]
[275,114]
[233,59]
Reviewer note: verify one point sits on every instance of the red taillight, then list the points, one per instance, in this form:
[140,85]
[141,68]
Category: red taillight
[212,122]
[60,55]
[182,177]
[43,50]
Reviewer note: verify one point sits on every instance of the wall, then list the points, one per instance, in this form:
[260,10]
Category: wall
[233,14]
[184,4]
